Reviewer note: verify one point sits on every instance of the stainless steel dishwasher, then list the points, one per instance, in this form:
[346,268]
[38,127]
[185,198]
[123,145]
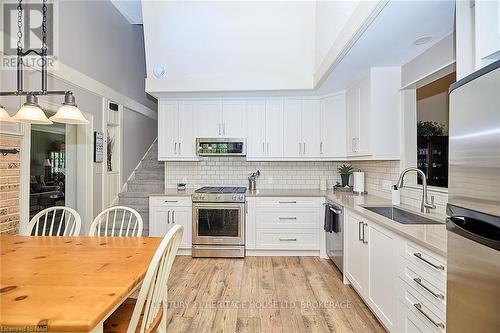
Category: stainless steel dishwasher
[335,239]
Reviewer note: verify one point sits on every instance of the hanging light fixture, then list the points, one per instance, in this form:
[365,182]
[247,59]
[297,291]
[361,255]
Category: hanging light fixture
[4,115]
[31,112]
[69,113]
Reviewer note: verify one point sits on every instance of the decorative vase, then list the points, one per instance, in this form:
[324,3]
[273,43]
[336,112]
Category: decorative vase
[345,180]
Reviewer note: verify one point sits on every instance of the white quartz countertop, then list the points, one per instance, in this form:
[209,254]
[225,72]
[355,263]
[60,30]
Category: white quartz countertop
[430,236]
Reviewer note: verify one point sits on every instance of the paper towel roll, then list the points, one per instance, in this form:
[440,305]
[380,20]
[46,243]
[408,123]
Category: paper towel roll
[359,182]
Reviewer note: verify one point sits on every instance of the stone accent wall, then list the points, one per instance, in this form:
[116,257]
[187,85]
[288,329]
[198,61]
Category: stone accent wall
[9,187]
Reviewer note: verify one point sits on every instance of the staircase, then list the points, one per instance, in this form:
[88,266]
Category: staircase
[148,177]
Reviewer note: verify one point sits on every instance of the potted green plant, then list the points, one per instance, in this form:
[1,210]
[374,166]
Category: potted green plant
[345,172]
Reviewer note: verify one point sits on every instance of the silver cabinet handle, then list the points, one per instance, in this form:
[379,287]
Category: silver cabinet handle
[321,148]
[263,146]
[168,217]
[171,201]
[419,282]
[288,239]
[300,148]
[418,306]
[218,125]
[304,147]
[364,240]
[287,202]
[335,211]
[175,148]
[419,256]
[287,218]
[179,148]
[360,238]
[268,149]
[173,216]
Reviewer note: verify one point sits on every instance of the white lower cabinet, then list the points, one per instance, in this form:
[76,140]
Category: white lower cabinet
[406,293]
[283,223]
[166,212]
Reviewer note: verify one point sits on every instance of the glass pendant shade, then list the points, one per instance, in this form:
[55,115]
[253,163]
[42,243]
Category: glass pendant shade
[31,113]
[4,115]
[69,113]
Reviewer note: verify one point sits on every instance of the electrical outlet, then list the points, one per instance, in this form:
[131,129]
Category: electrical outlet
[387,184]
[269,180]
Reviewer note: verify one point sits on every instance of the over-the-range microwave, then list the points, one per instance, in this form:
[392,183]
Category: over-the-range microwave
[220,147]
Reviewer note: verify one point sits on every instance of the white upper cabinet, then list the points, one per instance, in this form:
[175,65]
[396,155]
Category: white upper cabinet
[373,115]
[310,128]
[221,119]
[292,136]
[265,129]
[209,119]
[487,32]
[333,126]
[176,132]
[274,129]
[234,115]
[256,139]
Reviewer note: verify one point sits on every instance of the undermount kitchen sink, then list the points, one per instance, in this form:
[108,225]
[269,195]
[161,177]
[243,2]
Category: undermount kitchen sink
[400,215]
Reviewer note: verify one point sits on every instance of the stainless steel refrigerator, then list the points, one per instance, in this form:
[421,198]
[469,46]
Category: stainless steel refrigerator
[473,283]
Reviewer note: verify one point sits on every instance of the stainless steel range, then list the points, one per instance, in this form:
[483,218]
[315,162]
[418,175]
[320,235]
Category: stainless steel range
[219,222]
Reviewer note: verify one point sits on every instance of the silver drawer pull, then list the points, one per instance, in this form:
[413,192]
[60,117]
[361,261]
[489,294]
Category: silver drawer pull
[418,306]
[336,211]
[419,256]
[287,202]
[288,239]
[171,201]
[287,218]
[419,282]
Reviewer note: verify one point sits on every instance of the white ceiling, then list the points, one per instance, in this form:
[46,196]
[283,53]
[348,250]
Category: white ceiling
[130,9]
[389,41]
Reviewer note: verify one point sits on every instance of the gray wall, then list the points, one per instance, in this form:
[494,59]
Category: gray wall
[138,134]
[97,40]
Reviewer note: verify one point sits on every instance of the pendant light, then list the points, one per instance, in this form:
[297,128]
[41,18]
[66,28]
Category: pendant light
[31,112]
[4,115]
[69,113]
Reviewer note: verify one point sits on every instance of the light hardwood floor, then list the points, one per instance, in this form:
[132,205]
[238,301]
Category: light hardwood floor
[263,294]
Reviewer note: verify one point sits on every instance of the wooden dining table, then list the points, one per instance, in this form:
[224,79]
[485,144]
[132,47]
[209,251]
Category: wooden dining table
[68,284]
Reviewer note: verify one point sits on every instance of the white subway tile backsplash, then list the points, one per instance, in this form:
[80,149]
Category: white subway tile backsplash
[217,171]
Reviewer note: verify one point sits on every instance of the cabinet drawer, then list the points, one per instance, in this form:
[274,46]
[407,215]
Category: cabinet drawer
[412,323]
[170,201]
[424,260]
[289,202]
[287,240]
[421,307]
[428,286]
[287,218]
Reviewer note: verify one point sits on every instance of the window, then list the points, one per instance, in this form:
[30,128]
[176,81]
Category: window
[432,130]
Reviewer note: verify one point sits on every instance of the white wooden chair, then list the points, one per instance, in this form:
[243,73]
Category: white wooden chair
[49,223]
[149,312]
[117,221]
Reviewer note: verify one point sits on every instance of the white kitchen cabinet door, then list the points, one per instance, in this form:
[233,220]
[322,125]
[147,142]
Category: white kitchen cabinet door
[209,119]
[356,254]
[167,130]
[182,216]
[292,136]
[365,111]
[186,147]
[333,129]
[353,116]
[159,221]
[310,128]
[487,32]
[234,119]
[274,129]
[382,274]
[256,129]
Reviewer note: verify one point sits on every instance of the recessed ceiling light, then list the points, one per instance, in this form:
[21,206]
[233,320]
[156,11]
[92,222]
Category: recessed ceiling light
[422,40]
